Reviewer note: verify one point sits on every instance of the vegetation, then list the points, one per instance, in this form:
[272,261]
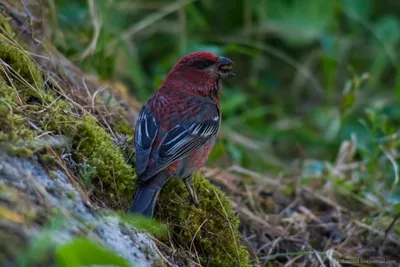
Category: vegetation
[92,155]
[309,147]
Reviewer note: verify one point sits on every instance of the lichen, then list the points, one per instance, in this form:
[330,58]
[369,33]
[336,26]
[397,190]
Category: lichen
[208,229]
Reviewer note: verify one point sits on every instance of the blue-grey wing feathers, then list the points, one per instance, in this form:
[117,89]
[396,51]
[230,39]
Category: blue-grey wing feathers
[146,132]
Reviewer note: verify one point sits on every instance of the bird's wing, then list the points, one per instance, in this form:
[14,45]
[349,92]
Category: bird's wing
[197,126]
[145,133]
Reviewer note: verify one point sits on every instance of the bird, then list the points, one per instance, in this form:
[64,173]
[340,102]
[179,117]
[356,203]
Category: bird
[177,127]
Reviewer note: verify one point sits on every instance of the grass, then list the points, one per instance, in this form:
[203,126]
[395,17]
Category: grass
[309,145]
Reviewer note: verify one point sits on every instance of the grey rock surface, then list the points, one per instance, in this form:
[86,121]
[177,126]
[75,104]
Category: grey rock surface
[27,190]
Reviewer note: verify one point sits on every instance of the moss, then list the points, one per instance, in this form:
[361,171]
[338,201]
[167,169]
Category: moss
[48,160]
[91,144]
[21,71]
[22,152]
[208,229]
[13,127]
[122,126]
[105,158]
[125,131]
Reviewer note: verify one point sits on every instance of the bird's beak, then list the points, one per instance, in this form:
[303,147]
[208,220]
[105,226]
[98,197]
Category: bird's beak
[224,66]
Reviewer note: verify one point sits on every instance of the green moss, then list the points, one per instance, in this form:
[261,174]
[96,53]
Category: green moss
[48,159]
[21,72]
[91,144]
[109,164]
[18,74]
[13,127]
[125,131]
[209,229]
[122,126]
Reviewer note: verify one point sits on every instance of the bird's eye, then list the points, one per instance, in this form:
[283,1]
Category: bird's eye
[202,64]
[207,63]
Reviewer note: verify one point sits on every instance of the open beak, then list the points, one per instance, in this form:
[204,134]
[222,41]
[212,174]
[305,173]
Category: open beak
[224,66]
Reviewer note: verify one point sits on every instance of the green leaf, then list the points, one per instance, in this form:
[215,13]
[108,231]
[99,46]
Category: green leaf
[241,49]
[136,72]
[232,100]
[386,36]
[146,224]
[83,252]
[299,22]
[37,251]
[194,47]
[397,86]
[387,30]
[348,100]
[39,248]
[361,8]
[197,17]
[396,207]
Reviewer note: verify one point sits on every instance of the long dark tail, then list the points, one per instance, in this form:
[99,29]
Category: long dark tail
[147,193]
[145,200]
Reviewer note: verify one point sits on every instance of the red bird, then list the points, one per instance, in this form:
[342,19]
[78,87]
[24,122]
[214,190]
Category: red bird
[177,127]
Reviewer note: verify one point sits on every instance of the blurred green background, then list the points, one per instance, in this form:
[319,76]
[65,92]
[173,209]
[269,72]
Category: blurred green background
[311,74]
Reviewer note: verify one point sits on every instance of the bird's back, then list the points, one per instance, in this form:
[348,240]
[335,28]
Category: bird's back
[171,108]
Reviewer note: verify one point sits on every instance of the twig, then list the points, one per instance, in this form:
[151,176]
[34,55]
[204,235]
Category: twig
[97,23]
[250,216]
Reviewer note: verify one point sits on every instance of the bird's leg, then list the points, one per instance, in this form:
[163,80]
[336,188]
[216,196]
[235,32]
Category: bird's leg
[192,192]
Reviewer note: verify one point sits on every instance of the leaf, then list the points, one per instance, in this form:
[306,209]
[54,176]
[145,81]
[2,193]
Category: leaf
[298,22]
[360,8]
[387,30]
[37,250]
[241,49]
[194,47]
[136,72]
[386,35]
[313,170]
[397,86]
[396,208]
[146,224]
[350,91]
[197,17]
[348,100]
[232,101]
[83,252]
[235,153]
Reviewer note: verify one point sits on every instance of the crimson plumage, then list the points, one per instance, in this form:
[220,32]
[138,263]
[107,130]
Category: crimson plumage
[176,129]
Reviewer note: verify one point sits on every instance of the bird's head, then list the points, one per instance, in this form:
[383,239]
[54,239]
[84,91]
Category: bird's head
[201,73]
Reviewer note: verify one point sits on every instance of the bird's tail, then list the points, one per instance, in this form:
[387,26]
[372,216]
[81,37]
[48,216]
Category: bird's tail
[145,200]
[146,195]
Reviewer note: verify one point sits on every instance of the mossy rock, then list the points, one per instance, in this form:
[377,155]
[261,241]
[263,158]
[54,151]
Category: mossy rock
[208,229]
[91,144]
